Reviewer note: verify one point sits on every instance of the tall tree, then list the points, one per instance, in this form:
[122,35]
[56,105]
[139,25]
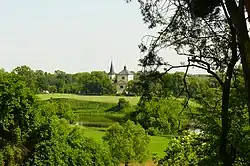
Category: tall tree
[128,143]
[213,35]
[26,74]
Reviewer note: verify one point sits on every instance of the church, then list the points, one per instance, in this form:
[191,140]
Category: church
[120,79]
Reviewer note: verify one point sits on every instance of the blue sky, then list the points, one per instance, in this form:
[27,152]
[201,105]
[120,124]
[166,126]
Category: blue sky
[74,36]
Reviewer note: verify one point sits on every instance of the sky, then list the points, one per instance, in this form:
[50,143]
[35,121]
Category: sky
[73,36]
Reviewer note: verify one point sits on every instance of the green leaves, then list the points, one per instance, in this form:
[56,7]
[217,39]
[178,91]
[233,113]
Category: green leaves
[161,116]
[185,150]
[127,143]
[40,133]
[16,103]
[60,144]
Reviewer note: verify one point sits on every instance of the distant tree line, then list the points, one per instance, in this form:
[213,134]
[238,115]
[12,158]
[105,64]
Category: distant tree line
[170,84]
[98,83]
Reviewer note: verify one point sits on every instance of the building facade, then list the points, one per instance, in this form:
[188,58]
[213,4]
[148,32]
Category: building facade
[120,79]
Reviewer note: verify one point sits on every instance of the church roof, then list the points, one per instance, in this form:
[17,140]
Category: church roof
[125,72]
[112,70]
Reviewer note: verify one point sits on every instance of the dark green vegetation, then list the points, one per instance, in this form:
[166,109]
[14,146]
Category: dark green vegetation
[163,116]
[101,112]
[98,83]
[55,115]
[60,82]
[128,143]
[214,36]
[34,133]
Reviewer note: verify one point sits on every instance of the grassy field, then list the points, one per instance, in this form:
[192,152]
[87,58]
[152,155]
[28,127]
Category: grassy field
[103,99]
[93,113]
[157,144]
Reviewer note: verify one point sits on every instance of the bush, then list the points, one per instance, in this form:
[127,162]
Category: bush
[50,108]
[186,150]
[59,144]
[122,103]
[161,116]
[127,143]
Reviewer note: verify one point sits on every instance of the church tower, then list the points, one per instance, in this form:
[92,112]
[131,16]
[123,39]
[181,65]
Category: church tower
[111,73]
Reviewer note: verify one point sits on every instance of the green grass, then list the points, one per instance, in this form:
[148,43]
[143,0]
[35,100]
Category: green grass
[103,99]
[157,144]
[89,113]
[94,133]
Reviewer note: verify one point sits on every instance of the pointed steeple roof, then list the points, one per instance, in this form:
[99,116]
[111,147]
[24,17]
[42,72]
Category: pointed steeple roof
[112,70]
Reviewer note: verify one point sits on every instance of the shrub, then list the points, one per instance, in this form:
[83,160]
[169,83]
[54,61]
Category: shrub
[127,143]
[50,108]
[161,116]
[60,144]
[122,103]
[184,150]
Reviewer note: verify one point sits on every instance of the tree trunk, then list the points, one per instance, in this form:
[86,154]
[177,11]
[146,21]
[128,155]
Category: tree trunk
[237,16]
[126,163]
[226,154]
[244,47]
[246,70]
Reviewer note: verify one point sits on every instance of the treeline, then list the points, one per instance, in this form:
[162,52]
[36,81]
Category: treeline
[96,82]
[171,84]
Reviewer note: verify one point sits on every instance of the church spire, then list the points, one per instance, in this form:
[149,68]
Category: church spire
[112,70]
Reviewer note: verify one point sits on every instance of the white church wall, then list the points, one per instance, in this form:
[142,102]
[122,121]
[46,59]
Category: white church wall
[130,77]
[122,78]
[120,88]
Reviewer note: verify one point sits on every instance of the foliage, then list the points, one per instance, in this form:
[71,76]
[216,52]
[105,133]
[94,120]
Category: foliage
[1,157]
[26,74]
[185,150]
[47,109]
[60,144]
[207,119]
[122,103]
[39,133]
[84,83]
[17,117]
[213,35]
[128,142]
[160,116]
[134,88]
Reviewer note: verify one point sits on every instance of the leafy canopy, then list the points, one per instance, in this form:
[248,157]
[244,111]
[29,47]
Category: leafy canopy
[127,142]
